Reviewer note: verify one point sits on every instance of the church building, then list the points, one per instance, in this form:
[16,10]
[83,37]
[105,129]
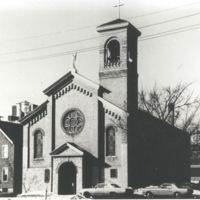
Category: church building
[87,133]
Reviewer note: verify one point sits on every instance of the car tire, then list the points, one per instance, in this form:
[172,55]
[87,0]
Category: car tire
[113,195]
[149,195]
[177,195]
[87,194]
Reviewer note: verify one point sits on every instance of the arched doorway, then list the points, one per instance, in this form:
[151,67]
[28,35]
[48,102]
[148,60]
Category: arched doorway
[67,178]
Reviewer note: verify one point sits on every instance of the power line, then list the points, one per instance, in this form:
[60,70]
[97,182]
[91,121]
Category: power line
[91,38]
[49,46]
[51,55]
[53,45]
[52,34]
[170,31]
[92,26]
[170,20]
[167,33]
[165,10]
[83,50]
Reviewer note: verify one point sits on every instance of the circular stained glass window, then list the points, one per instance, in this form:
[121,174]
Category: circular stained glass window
[73,121]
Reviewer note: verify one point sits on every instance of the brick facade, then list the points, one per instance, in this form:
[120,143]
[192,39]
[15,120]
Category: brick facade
[11,135]
[7,162]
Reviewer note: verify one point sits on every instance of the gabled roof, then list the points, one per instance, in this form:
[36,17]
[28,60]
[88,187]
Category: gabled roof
[143,115]
[34,112]
[117,24]
[57,86]
[4,134]
[64,147]
[116,21]
[114,110]
[65,80]
[80,152]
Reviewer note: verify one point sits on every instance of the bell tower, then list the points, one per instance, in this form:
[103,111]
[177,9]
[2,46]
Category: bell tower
[118,63]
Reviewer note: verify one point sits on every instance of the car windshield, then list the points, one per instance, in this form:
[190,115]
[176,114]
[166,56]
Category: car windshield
[115,185]
[100,185]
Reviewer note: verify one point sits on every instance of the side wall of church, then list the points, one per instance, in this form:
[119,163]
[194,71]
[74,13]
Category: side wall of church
[119,161]
[33,169]
[159,152]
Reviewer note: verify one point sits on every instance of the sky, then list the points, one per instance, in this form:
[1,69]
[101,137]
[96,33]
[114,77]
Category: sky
[39,37]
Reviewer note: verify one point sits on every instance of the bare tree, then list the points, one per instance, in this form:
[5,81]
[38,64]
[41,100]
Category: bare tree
[176,105]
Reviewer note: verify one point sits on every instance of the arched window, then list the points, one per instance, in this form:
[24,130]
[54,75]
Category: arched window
[112,53]
[110,141]
[38,144]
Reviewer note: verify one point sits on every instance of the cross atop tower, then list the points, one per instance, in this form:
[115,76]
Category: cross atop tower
[118,5]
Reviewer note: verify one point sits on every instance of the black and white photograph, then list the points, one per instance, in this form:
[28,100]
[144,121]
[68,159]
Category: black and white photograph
[99,99]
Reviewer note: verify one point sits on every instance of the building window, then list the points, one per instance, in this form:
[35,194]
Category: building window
[4,189]
[5,174]
[5,151]
[112,53]
[110,141]
[113,173]
[38,144]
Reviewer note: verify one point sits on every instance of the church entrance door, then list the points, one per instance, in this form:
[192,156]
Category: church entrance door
[67,178]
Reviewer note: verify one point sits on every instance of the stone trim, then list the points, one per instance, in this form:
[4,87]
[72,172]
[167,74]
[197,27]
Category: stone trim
[59,165]
[112,110]
[38,129]
[38,117]
[70,87]
[112,73]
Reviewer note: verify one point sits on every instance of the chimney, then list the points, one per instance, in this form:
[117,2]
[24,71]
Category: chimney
[171,109]
[14,110]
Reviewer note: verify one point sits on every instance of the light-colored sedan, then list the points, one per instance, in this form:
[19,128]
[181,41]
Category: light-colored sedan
[78,197]
[165,189]
[111,190]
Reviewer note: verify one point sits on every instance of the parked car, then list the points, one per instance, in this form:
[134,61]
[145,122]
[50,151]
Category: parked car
[165,189]
[194,186]
[111,190]
[196,194]
[78,196]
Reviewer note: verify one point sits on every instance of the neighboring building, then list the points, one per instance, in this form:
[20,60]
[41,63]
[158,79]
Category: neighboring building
[10,157]
[20,110]
[6,163]
[195,157]
[86,133]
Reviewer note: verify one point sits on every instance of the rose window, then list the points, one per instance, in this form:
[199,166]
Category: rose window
[73,121]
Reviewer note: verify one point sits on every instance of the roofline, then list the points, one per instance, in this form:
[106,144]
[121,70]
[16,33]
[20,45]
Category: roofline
[106,27]
[37,109]
[67,144]
[6,136]
[57,83]
[119,25]
[107,103]
[67,79]
[162,121]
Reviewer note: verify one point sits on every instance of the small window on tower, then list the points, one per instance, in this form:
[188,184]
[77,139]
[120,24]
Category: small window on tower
[112,53]
[113,173]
